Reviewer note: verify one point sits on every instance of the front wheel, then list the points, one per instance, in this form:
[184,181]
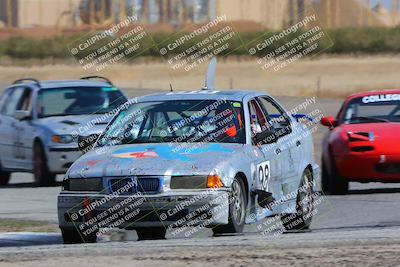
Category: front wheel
[332,181]
[72,236]
[4,178]
[301,220]
[41,173]
[237,210]
[153,233]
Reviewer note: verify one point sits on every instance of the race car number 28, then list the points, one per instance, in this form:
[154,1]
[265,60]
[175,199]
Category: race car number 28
[263,173]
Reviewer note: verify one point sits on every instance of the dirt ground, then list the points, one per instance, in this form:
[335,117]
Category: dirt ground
[27,225]
[358,255]
[334,76]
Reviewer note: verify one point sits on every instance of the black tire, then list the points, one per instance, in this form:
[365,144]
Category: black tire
[153,233]
[41,173]
[4,178]
[301,220]
[237,210]
[332,182]
[72,236]
[325,177]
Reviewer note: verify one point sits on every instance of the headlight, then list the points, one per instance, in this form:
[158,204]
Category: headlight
[62,139]
[83,184]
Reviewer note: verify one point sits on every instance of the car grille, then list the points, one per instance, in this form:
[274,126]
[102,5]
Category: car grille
[122,185]
[388,168]
[147,185]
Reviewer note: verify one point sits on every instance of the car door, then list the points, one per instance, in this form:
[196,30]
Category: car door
[288,143]
[24,130]
[9,134]
[6,140]
[268,170]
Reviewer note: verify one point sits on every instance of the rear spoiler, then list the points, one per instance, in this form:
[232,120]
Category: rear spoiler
[303,117]
[298,117]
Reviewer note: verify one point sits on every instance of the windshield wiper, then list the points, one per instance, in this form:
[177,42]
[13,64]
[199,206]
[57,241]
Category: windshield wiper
[371,119]
[57,115]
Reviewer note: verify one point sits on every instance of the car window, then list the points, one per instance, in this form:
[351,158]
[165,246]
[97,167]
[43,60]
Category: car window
[258,120]
[78,101]
[276,116]
[3,100]
[25,102]
[180,121]
[370,109]
[12,101]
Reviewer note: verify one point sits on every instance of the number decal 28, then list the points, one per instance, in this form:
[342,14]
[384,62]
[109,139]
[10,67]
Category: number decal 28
[263,175]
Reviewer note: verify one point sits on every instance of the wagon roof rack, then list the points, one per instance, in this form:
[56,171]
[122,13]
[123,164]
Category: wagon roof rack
[35,81]
[99,78]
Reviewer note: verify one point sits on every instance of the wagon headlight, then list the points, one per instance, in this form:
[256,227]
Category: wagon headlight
[62,139]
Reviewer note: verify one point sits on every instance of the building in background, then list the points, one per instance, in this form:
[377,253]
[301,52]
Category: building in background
[31,13]
[273,14]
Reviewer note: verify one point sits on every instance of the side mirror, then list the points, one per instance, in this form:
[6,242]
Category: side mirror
[266,137]
[329,121]
[86,143]
[22,115]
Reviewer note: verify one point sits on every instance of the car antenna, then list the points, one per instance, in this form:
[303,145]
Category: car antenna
[210,77]
[170,88]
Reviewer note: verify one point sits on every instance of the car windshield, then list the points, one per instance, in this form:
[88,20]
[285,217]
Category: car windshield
[372,109]
[78,101]
[178,121]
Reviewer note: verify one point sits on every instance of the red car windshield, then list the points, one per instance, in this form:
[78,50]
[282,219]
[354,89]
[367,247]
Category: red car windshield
[372,109]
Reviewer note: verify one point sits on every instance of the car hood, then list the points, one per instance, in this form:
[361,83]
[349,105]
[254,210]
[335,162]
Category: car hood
[79,124]
[384,136]
[155,159]
[380,130]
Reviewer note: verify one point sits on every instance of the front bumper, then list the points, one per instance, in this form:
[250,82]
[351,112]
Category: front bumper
[169,209]
[59,159]
[369,168]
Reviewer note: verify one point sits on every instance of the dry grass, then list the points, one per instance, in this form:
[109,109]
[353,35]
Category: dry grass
[8,225]
[339,76]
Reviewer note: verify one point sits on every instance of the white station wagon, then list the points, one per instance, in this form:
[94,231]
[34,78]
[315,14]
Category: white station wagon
[38,121]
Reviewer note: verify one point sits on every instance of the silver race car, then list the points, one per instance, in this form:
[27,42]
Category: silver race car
[39,119]
[205,158]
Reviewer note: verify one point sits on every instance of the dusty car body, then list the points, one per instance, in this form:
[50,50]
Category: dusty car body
[217,183]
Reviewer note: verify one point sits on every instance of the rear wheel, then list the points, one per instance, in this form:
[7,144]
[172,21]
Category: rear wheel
[302,219]
[153,233]
[237,210]
[41,173]
[72,236]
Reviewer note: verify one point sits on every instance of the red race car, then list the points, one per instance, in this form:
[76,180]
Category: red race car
[363,144]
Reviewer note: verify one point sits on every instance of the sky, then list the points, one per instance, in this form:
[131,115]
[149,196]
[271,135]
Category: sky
[386,3]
